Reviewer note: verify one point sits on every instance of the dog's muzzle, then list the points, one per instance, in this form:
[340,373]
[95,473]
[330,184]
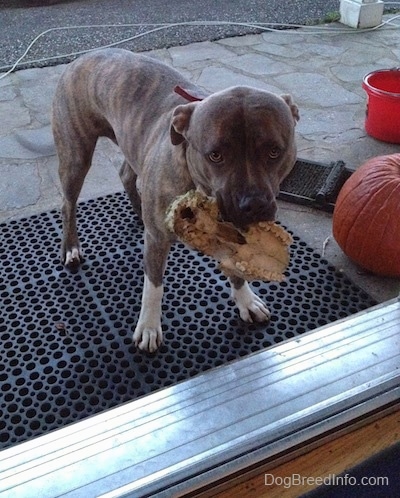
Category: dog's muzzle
[247,209]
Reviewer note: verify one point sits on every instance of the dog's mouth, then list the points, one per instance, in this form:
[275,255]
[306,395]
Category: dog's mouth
[247,209]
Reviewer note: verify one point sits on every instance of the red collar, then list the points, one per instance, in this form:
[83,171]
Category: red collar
[183,93]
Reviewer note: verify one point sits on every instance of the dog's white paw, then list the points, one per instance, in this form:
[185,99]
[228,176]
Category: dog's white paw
[251,307]
[147,339]
[148,334]
[73,258]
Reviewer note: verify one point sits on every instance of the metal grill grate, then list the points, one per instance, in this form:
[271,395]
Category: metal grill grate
[65,339]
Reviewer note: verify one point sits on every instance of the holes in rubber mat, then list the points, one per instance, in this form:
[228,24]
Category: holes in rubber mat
[65,339]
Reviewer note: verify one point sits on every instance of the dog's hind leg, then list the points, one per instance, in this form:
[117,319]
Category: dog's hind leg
[129,178]
[72,176]
[75,153]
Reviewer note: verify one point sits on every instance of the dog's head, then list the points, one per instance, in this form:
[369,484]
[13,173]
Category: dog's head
[239,145]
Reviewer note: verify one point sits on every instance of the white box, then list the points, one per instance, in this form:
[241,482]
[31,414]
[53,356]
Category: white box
[361,13]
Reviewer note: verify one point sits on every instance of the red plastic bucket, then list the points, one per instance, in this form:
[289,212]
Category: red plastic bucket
[382,120]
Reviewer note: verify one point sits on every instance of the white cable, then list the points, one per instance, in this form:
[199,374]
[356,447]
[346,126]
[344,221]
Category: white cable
[17,63]
[162,26]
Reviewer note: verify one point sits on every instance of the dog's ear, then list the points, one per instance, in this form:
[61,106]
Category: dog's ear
[180,122]
[293,107]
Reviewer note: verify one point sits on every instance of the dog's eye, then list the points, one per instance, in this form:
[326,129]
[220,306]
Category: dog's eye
[274,152]
[215,157]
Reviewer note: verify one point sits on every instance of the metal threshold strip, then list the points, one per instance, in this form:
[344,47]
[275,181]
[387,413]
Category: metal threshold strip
[195,434]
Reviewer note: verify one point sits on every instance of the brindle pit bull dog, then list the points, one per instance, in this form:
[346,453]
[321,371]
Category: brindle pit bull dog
[236,145]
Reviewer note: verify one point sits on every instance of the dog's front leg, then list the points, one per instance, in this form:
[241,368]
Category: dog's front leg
[251,307]
[148,334]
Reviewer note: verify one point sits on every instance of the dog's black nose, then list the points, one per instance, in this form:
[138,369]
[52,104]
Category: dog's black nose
[253,208]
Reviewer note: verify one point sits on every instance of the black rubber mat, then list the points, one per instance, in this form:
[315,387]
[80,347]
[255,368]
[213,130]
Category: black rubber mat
[314,184]
[65,339]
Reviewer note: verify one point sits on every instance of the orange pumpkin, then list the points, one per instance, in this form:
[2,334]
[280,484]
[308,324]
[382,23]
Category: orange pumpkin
[366,219]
